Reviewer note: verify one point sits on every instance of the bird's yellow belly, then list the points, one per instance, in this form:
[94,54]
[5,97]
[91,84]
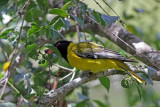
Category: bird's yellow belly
[94,65]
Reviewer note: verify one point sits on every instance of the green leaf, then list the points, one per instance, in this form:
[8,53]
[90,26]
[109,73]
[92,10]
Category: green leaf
[97,17]
[2,56]
[49,33]
[31,47]
[31,5]
[29,89]
[35,12]
[2,3]
[19,77]
[79,20]
[148,77]
[105,82]
[29,13]
[59,24]
[66,6]
[81,104]
[40,79]
[84,7]
[55,35]
[0,65]
[109,19]
[28,17]
[59,12]
[6,46]
[43,63]
[123,53]
[54,19]
[34,28]
[20,70]
[100,104]
[41,4]
[6,33]
[64,63]
[138,89]
[58,33]
[66,24]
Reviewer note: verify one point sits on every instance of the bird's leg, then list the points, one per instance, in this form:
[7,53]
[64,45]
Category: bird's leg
[71,73]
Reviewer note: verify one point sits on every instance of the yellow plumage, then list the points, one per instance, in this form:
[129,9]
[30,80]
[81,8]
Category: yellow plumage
[95,65]
[88,56]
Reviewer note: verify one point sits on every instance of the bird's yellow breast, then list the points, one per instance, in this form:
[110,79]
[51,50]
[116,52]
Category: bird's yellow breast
[94,65]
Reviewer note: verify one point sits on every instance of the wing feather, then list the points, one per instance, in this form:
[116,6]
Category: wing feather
[95,51]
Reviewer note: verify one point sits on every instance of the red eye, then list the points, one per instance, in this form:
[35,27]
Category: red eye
[48,51]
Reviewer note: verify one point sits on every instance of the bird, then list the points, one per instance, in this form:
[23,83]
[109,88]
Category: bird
[89,56]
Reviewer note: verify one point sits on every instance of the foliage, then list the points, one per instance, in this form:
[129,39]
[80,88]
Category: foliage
[35,75]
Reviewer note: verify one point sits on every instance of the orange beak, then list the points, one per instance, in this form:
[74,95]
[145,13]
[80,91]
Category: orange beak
[48,51]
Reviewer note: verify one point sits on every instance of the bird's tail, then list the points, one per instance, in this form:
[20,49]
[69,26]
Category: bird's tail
[136,76]
[133,74]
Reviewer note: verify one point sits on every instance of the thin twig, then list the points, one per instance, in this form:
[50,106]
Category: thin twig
[121,21]
[58,65]
[104,27]
[72,70]
[85,37]
[77,27]
[101,7]
[4,87]
[20,102]
[17,91]
[5,55]
[61,92]
[2,80]
[110,7]
[45,68]
[9,22]
[19,38]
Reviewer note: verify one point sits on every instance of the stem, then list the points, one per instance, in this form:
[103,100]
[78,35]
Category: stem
[6,80]
[9,22]
[17,91]
[77,27]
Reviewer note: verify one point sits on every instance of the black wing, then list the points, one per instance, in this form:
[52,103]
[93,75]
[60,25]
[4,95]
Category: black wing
[95,51]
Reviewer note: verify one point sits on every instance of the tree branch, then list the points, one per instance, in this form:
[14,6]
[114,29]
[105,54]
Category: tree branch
[61,92]
[142,51]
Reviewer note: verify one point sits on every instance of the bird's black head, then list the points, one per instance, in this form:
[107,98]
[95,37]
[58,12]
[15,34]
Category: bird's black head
[62,46]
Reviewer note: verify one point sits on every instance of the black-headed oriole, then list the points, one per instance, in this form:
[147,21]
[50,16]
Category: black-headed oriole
[88,56]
